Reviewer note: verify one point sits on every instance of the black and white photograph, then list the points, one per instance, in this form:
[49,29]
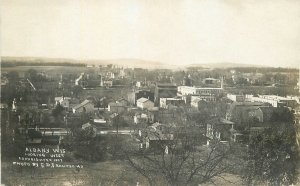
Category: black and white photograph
[150,92]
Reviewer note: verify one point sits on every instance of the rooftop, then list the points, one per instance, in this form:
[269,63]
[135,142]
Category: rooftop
[85,102]
[142,100]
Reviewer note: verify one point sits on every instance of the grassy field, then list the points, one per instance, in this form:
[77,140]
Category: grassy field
[104,173]
[110,173]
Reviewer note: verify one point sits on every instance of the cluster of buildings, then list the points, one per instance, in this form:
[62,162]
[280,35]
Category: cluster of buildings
[154,108]
[275,101]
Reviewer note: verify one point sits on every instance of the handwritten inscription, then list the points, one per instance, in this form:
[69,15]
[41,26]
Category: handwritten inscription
[44,158]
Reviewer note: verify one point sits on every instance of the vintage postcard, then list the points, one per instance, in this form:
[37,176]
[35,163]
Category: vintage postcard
[150,92]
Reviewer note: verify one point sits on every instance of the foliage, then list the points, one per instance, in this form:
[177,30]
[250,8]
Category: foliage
[76,90]
[88,147]
[272,158]
[57,111]
[34,76]
[185,162]
[13,76]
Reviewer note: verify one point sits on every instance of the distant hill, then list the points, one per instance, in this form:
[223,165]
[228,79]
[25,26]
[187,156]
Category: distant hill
[225,65]
[37,59]
[40,61]
[133,63]
[7,61]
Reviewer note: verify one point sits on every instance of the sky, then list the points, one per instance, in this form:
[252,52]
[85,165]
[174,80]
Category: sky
[181,32]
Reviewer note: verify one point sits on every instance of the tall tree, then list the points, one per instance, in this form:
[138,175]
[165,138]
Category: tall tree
[179,158]
[273,156]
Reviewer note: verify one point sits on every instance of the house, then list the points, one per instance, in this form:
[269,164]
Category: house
[156,137]
[164,91]
[236,98]
[122,102]
[141,118]
[252,114]
[63,101]
[238,112]
[158,141]
[164,102]
[144,103]
[135,95]
[86,106]
[106,83]
[116,107]
[219,129]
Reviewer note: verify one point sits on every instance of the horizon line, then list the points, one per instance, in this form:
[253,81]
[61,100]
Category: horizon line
[158,63]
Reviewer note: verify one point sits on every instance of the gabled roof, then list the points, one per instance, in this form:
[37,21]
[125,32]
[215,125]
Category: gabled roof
[142,100]
[85,102]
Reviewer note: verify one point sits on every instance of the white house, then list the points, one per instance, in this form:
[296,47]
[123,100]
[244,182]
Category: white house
[63,101]
[144,103]
[85,106]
